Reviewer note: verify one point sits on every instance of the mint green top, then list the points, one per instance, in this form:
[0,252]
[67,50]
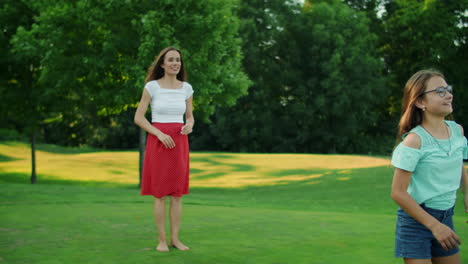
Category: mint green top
[436,176]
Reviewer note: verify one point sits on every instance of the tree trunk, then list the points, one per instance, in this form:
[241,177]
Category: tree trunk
[33,157]
[142,152]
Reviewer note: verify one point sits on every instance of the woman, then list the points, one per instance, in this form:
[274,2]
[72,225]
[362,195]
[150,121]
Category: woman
[428,171]
[166,164]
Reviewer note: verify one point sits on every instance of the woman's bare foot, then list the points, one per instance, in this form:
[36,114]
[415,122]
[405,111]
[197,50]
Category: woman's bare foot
[177,244]
[162,247]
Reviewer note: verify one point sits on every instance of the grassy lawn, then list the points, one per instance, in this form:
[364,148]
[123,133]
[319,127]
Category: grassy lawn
[243,208]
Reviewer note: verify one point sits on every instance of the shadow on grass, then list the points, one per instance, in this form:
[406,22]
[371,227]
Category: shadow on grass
[218,167]
[56,149]
[195,171]
[4,158]
[117,172]
[24,178]
[222,156]
[210,175]
[241,167]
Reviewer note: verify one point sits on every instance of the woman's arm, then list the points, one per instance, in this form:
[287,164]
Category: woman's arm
[142,122]
[189,120]
[401,179]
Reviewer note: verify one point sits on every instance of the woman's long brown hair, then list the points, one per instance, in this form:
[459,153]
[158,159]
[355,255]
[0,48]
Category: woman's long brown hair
[412,116]
[155,71]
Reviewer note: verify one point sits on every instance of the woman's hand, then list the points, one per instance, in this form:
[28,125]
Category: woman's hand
[167,141]
[186,129]
[446,237]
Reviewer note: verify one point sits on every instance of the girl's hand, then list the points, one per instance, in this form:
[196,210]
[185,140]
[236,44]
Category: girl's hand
[466,203]
[186,129]
[167,141]
[446,237]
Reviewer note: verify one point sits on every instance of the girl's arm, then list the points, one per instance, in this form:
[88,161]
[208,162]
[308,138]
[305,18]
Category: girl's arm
[465,188]
[401,179]
[142,122]
[464,181]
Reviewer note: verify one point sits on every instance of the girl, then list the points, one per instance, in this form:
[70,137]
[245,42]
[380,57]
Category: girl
[428,171]
[166,164]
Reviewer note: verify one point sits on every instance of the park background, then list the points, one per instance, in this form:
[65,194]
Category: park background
[321,80]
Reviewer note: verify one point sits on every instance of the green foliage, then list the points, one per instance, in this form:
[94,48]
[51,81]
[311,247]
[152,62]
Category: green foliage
[91,58]
[18,72]
[327,76]
[213,57]
[316,81]
[426,34]
[10,134]
[336,111]
[250,125]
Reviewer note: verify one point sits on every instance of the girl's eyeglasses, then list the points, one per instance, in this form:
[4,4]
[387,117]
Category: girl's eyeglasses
[441,91]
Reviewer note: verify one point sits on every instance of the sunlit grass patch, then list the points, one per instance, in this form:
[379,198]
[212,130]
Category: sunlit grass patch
[296,172]
[207,169]
[272,169]
[344,178]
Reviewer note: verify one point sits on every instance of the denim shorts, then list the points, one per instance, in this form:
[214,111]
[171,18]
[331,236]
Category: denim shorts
[415,241]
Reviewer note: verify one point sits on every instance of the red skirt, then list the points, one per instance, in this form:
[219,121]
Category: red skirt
[166,171]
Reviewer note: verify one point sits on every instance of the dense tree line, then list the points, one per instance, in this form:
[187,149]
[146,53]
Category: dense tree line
[317,81]
[328,76]
[323,76]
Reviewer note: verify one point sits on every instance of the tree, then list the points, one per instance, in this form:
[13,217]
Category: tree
[339,84]
[250,125]
[93,55]
[21,106]
[310,67]
[426,34]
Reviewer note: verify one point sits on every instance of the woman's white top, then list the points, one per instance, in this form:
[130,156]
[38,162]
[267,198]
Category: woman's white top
[168,105]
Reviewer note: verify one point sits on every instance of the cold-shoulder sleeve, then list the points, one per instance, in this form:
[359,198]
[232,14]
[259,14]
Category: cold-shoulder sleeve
[188,91]
[456,128]
[406,158]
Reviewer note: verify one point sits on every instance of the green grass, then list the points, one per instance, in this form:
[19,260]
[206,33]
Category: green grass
[319,220]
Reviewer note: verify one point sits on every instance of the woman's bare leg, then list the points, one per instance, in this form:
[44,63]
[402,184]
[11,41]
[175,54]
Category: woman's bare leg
[175,215]
[160,219]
